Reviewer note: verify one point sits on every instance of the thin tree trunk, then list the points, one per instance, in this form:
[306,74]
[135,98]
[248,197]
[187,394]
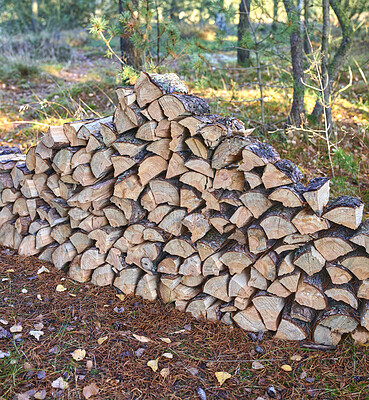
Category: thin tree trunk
[307,46]
[243,55]
[342,53]
[34,15]
[121,42]
[275,14]
[173,11]
[297,109]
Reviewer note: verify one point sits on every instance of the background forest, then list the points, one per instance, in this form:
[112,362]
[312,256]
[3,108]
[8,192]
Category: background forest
[294,70]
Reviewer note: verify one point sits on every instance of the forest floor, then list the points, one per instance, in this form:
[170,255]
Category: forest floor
[61,339]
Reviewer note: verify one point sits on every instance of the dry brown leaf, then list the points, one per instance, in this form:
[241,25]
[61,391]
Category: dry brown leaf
[142,339]
[42,269]
[222,377]
[90,390]
[121,296]
[165,340]
[168,355]
[60,288]
[257,365]
[153,364]
[60,383]
[296,357]
[79,354]
[164,372]
[101,340]
[286,368]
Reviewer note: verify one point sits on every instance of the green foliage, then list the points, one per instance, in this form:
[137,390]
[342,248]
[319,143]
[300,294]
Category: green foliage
[346,162]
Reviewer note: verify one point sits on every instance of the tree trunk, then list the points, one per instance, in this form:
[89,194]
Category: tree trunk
[307,45]
[297,110]
[34,15]
[275,14]
[342,53]
[243,55]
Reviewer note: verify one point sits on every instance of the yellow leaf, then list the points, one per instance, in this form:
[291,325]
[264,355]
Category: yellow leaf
[121,296]
[165,340]
[142,339]
[42,269]
[90,390]
[9,271]
[286,368]
[79,354]
[296,357]
[60,288]
[222,377]
[101,340]
[164,372]
[168,355]
[153,364]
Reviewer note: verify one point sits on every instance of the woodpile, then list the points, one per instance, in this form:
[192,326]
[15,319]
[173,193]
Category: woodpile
[165,200]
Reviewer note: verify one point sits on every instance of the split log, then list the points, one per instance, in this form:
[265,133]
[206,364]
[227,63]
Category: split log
[115,216]
[190,198]
[200,165]
[191,266]
[346,211]
[71,129]
[360,336]
[256,201]
[105,237]
[309,259]
[114,258]
[127,280]
[361,236]
[163,129]
[155,111]
[181,104]
[169,265]
[270,308]
[10,195]
[22,225]
[43,151]
[92,259]
[16,178]
[128,186]
[291,280]
[317,194]
[231,197]
[147,200]
[151,167]
[28,189]
[108,132]
[101,162]
[80,241]
[134,233]
[161,148]
[250,320]
[213,265]
[148,250]
[253,179]
[310,292]
[147,287]
[83,175]
[289,196]
[357,262]
[278,289]
[283,172]
[155,234]
[302,313]
[197,147]
[55,138]
[129,145]
[333,244]
[257,280]
[217,287]
[364,314]
[63,255]
[124,163]
[266,265]
[363,290]
[230,179]
[126,96]
[199,305]
[181,247]
[147,131]
[165,191]
[27,246]
[307,222]
[238,286]
[229,151]
[196,180]
[344,293]
[210,243]
[31,158]
[61,233]
[277,222]
[338,273]
[221,221]
[103,276]
[159,213]
[257,239]
[197,224]
[176,164]
[292,329]
[173,222]
[35,226]
[41,165]
[258,154]
[76,273]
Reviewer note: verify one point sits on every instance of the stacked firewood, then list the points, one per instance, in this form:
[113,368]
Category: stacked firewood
[165,200]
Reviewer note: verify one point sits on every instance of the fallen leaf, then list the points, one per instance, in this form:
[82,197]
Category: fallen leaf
[89,364]
[79,354]
[118,309]
[168,355]
[16,328]
[40,395]
[164,372]
[201,393]
[60,288]
[4,333]
[42,269]
[4,321]
[222,377]
[39,297]
[139,352]
[102,340]
[286,368]
[9,271]
[121,296]
[28,366]
[36,334]
[257,365]
[142,339]
[90,390]
[165,340]
[193,371]
[4,354]
[60,383]
[296,357]
[24,291]
[38,326]
[153,364]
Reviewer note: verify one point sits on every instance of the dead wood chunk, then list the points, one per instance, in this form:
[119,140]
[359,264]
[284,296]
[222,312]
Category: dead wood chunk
[309,259]
[218,287]
[191,266]
[127,118]
[27,246]
[41,165]
[92,258]
[105,237]
[230,179]
[159,213]
[278,289]
[277,222]
[266,265]
[200,165]
[190,198]
[80,241]
[364,314]
[16,177]
[363,289]
[150,87]
[63,159]
[181,105]
[103,275]
[163,129]
[22,225]
[126,96]
[122,164]
[197,147]
[147,250]
[253,179]
[310,291]
[115,216]
[80,157]
[283,172]
[258,154]
[172,222]
[344,293]
[346,211]
[155,111]
[307,222]
[199,305]
[331,323]
[333,244]
[289,196]
[76,273]
[181,247]
[83,175]
[28,189]
[63,255]
[211,243]
[238,286]
[302,313]
[134,233]
[101,162]
[169,265]
[257,280]
[147,131]
[178,134]
[91,128]
[250,320]
[212,198]
[108,132]
[147,287]
[361,236]
[197,224]
[151,167]
[128,186]
[270,308]
[257,239]
[317,194]
[165,191]
[127,280]
[132,209]
[213,265]
[356,262]
[229,151]
[10,195]
[292,329]
[129,145]
[147,200]
[61,233]
[161,148]
[31,158]
[256,201]
[43,151]
[176,165]
[55,138]
[291,280]
[338,273]
[115,259]
[360,336]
